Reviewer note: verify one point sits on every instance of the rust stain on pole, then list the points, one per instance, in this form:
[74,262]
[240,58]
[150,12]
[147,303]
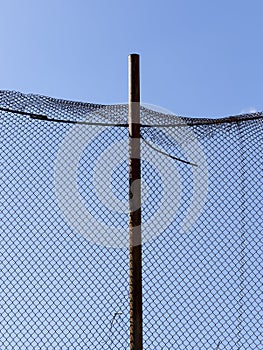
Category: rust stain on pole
[135,204]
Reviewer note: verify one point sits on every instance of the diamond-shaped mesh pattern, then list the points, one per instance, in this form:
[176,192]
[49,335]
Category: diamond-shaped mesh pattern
[64,232]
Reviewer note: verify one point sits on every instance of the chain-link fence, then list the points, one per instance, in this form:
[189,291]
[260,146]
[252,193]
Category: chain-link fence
[64,232]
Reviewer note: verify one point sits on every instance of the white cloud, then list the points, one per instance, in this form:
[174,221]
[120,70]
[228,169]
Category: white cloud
[248,110]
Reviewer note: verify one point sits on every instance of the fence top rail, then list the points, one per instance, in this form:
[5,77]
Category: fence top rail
[71,112]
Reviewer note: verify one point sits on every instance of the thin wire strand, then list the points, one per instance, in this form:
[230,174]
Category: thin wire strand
[185,123]
[48,119]
[168,155]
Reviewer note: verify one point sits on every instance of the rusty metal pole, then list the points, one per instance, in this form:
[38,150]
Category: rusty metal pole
[135,204]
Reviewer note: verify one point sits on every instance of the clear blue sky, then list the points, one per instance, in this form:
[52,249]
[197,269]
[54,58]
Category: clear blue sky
[198,58]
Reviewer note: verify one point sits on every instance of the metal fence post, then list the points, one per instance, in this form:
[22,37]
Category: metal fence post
[135,204]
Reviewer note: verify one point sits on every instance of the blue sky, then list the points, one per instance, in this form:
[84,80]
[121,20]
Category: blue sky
[198,58]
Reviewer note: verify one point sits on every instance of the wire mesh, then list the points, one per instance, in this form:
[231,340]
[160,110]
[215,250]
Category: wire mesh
[65,235]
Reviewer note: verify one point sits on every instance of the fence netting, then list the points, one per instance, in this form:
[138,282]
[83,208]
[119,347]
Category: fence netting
[65,228]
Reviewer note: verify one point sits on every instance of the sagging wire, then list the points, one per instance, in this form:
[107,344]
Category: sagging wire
[217,348]
[110,333]
[166,154]
[111,325]
[46,118]
[185,123]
